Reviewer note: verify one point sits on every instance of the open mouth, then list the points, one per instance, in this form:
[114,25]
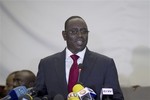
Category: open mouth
[79,42]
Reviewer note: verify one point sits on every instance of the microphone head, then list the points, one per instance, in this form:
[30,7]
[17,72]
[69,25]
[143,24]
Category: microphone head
[92,93]
[37,98]
[25,97]
[73,96]
[106,93]
[84,94]
[17,92]
[77,88]
[80,66]
[32,91]
[58,97]
[46,97]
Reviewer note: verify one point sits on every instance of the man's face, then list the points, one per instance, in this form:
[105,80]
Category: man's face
[9,83]
[76,35]
[21,78]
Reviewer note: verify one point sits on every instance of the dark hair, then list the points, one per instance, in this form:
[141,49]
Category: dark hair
[13,73]
[72,17]
[32,75]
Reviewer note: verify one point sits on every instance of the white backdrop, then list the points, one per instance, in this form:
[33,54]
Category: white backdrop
[31,30]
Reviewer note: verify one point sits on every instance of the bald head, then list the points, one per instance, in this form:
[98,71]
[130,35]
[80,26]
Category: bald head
[24,77]
[73,18]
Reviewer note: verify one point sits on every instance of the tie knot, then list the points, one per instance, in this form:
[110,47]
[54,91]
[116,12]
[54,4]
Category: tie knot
[74,57]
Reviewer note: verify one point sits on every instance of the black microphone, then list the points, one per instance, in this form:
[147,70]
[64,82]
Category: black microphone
[80,66]
[21,92]
[46,97]
[106,94]
[32,91]
[29,97]
[15,93]
[35,98]
[58,97]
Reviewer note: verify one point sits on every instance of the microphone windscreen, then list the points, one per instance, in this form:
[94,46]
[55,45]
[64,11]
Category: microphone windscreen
[84,94]
[32,91]
[93,94]
[77,88]
[45,97]
[73,96]
[36,98]
[17,92]
[58,97]
[25,97]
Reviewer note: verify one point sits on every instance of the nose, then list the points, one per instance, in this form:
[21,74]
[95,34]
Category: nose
[79,34]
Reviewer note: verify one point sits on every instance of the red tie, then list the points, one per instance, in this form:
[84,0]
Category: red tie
[74,72]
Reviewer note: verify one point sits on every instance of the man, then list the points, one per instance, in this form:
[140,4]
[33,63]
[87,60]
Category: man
[98,70]
[25,78]
[9,82]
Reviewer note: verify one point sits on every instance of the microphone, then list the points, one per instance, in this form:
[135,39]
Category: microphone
[45,97]
[15,93]
[106,94]
[84,93]
[73,96]
[32,91]
[29,97]
[36,98]
[58,97]
[77,88]
[80,66]
[25,97]
[93,94]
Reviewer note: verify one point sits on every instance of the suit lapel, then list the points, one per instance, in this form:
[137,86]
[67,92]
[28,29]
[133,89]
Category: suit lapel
[88,64]
[60,70]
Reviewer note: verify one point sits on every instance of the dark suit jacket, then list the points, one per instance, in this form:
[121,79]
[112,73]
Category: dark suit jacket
[98,71]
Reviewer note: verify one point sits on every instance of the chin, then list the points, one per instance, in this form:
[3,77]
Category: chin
[80,49]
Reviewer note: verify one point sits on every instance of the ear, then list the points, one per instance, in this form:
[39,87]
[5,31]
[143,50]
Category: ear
[64,35]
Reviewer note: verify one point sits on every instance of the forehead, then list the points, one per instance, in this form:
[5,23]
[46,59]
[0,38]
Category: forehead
[76,23]
[22,75]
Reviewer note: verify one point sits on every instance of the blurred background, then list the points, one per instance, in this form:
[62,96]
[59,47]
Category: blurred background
[31,30]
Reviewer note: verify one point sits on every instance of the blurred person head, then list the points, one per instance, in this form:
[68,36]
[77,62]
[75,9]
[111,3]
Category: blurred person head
[9,82]
[25,78]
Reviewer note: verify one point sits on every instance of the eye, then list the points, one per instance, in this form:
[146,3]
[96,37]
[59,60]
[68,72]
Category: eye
[72,32]
[84,31]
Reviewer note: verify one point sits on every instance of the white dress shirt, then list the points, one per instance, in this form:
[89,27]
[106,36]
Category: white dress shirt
[69,61]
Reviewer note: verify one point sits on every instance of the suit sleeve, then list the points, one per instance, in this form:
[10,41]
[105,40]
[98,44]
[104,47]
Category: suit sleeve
[111,80]
[40,81]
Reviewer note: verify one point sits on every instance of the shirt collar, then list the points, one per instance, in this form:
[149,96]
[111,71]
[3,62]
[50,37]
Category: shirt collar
[80,54]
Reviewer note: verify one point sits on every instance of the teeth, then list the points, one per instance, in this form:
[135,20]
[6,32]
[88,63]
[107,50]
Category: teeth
[79,42]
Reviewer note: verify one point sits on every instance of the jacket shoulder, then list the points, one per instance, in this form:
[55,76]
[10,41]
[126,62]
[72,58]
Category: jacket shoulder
[99,56]
[53,56]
